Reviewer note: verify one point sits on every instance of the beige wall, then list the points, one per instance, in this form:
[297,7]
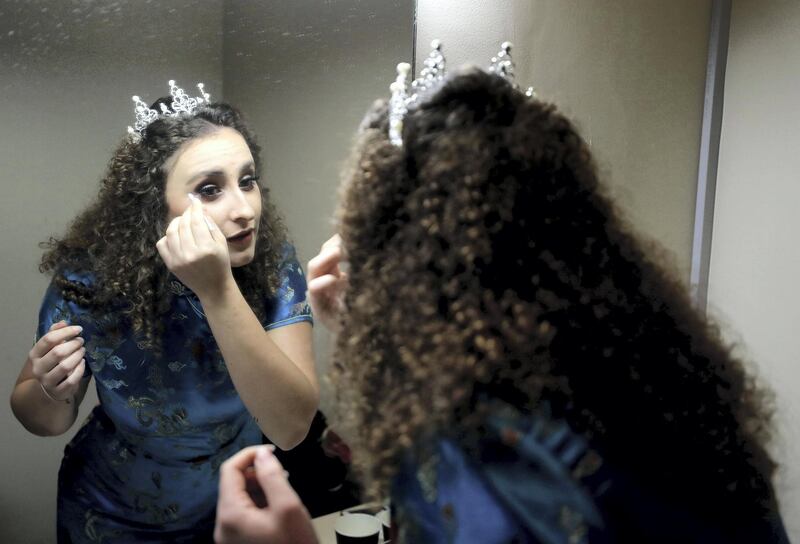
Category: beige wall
[631,73]
[755,254]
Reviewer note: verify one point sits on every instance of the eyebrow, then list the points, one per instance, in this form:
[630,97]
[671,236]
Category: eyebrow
[246,167]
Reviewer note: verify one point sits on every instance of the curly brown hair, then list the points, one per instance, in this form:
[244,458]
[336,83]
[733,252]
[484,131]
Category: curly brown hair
[114,238]
[487,262]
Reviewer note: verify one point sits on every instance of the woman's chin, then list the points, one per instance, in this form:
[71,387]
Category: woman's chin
[240,260]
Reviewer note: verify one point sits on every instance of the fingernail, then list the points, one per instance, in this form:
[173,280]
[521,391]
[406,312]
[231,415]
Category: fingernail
[80,329]
[81,340]
[263,454]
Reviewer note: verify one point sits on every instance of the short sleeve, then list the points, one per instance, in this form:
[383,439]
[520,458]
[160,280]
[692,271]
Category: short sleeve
[55,308]
[523,483]
[444,499]
[289,304]
[543,472]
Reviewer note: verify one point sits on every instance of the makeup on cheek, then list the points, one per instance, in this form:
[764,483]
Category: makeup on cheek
[193,197]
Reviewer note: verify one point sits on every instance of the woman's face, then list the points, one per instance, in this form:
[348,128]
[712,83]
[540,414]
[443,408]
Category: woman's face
[219,169]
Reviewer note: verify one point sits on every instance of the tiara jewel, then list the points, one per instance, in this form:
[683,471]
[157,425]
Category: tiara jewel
[398,104]
[504,66]
[432,73]
[181,103]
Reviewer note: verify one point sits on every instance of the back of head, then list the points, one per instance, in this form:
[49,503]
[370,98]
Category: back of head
[485,261]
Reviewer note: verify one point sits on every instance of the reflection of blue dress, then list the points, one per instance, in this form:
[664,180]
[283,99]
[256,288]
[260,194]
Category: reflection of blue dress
[144,466]
[539,482]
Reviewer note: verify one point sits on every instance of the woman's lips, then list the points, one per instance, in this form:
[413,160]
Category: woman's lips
[242,239]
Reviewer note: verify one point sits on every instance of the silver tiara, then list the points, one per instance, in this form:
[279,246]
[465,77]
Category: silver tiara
[433,71]
[181,103]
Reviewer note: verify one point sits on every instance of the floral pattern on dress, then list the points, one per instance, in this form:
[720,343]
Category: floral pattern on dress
[147,458]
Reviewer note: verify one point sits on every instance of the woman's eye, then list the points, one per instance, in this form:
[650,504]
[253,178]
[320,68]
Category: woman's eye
[208,191]
[248,182]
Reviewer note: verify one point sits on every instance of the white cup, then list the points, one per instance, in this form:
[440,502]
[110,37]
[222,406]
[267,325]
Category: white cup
[385,517]
[357,529]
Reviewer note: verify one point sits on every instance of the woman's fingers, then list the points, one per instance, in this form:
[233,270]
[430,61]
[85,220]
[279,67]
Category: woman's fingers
[173,238]
[53,338]
[57,325]
[282,517]
[327,282]
[325,293]
[44,364]
[326,262]
[67,387]
[334,240]
[163,249]
[280,494]
[200,224]
[187,241]
[233,481]
[322,283]
[63,368]
[178,243]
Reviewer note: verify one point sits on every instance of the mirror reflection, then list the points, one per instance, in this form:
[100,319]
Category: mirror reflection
[225,200]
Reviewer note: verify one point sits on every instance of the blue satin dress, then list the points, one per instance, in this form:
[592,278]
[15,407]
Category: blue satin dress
[144,467]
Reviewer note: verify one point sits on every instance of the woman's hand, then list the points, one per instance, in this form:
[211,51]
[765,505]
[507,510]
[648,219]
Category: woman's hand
[57,361]
[259,507]
[327,283]
[195,251]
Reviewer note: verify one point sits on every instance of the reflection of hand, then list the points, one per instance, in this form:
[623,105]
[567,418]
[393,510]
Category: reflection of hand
[195,250]
[243,518]
[57,360]
[326,283]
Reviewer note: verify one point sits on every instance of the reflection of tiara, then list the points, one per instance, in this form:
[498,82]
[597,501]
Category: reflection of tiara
[181,103]
[432,73]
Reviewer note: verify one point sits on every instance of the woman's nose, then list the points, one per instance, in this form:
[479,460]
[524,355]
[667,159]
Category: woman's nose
[241,209]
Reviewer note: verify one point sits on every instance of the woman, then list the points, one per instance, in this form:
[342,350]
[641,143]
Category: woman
[511,364]
[177,291]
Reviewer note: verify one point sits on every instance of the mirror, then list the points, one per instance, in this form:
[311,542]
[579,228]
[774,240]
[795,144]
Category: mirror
[303,72]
